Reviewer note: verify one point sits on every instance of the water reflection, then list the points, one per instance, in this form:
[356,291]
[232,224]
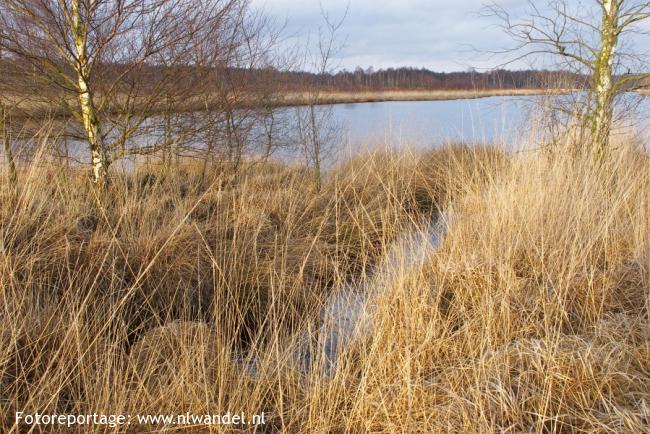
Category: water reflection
[508,121]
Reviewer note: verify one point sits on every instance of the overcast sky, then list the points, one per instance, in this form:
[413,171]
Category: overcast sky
[437,34]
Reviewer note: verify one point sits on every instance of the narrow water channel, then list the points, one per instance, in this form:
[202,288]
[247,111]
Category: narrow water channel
[347,314]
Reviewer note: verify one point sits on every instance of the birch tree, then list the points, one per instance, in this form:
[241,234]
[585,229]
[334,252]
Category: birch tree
[112,61]
[594,38]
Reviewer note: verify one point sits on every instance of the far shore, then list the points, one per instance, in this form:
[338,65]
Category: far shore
[39,110]
[350,97]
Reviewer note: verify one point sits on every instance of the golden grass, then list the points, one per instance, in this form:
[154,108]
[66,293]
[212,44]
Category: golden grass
[345,97]
[532,316]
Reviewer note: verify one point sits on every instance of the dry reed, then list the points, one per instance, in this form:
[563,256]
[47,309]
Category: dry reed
[159,296]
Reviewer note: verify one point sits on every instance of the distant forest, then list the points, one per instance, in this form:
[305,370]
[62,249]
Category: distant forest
[270,79]
[424,79]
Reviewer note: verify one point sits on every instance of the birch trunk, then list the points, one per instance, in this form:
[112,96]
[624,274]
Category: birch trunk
[9,155]
[603,78]
[89,117]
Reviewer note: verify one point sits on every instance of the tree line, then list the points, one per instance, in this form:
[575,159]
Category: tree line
[405,78]
[408,78]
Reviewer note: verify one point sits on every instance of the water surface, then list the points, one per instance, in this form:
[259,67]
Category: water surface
[512,121]
[426,123]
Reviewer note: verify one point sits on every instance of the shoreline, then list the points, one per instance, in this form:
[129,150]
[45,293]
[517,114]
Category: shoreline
[352,97]
[39,111]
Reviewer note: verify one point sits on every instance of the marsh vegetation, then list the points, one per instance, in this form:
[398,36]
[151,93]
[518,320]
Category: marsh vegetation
[462,288]
[179,293]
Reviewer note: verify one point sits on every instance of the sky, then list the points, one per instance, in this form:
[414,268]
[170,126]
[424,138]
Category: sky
[442,35]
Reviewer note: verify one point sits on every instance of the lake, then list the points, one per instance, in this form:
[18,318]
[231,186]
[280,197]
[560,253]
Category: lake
[512,122]
[509,121]
[426,123]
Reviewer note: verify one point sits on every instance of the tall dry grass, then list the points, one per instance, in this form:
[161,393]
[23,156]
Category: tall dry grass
[175,294]
[347,97]
[533,315]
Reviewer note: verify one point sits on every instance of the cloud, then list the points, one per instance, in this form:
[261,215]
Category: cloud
[437,34]
[441,35]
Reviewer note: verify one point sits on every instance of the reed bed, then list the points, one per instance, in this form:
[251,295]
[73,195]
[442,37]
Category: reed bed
[348,97]
[173,292]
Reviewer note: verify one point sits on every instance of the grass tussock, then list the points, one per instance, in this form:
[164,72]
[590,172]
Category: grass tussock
[176,292]
[533,315]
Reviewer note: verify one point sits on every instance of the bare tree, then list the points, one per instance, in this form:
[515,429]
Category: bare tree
[592,39]
[315,124]
[239,98]
[112,64]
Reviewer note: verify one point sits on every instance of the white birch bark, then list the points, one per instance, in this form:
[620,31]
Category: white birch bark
[89,117]
[603,85]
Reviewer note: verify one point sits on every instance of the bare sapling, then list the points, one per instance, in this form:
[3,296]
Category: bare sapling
[316,129]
